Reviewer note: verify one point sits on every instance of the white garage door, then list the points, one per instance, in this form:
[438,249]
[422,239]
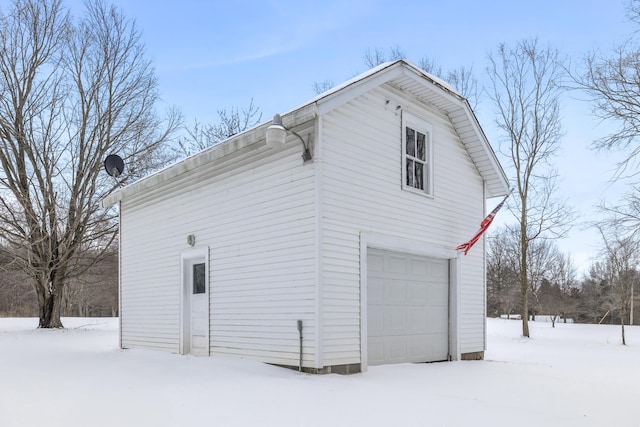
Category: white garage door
[407,313]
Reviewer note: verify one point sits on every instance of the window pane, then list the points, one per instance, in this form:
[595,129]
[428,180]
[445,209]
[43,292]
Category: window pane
[421,146]
[410,173]
[199,279]
[411,142]
[419,181]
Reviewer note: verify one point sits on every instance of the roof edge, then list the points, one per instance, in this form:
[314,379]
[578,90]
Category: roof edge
[250,137]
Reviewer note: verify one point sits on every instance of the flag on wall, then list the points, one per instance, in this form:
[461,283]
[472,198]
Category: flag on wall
[483,227]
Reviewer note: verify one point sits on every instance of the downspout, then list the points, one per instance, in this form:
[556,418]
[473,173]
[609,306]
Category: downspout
[484,268]
[300,334]
[318,165]
[120,272]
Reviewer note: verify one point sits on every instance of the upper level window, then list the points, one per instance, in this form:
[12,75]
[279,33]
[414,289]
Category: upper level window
[417,170]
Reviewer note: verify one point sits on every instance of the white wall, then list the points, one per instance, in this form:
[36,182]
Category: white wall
[361,154]
[260,217]
[257,219]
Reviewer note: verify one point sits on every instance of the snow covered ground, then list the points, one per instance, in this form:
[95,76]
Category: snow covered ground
[573,375]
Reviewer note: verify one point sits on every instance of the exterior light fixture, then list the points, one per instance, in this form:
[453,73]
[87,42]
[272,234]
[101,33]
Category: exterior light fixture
[277,133]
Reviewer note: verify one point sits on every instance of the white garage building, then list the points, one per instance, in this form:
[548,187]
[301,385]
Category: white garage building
[229,251]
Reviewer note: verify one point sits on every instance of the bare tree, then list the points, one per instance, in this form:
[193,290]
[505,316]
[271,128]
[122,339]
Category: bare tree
[323,86]
[375,57]
[461,78]
[557,289]
[551,276]
[71,92]
[550,298]
[503,291]
[230,122]
[17,298]
[430,66]
[621,260]
[563,273]
[612,81]
[542,258]
[95,293]
[526,86]
[595,295]
[466,84]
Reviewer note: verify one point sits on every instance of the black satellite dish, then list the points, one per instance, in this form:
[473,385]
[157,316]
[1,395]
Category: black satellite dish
[114,165]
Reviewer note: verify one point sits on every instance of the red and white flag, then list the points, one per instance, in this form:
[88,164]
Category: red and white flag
[483,227]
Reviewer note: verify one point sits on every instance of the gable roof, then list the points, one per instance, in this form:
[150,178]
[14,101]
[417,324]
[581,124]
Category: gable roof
[407,78]
[400,75]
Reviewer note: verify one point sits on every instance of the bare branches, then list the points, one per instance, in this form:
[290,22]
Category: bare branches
[323,86]
[550,274]
[526,86]
[621,257]
[461,78]
[612,82]
[70,93]
[375,57]
[466,84]
[230,122]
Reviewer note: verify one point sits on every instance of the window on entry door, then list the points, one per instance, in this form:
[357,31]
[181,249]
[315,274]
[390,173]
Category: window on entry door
[199,280]
[417,173]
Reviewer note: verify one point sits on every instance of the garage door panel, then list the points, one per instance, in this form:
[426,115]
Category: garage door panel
[376,320]
[438,320]
[395,321]
[441,350]
[417,294]
[418,348]
[439,269]
[438,296]
[408,298]
[375,263]
[396,264]
[395,292]
[405,349]
[418,267]
[418,321]
[376,350]
[395,349]
[376,290]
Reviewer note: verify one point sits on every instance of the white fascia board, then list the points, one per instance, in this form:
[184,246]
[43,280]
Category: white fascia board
[489,154]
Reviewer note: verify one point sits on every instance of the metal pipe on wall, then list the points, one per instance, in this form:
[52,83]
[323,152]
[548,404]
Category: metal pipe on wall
[300,333]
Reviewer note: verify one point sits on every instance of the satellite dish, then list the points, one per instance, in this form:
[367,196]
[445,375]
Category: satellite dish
[114,165]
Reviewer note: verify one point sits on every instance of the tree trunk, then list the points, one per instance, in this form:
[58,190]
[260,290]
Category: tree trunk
[524,284]
[50,301]
[622,316]
[525,315]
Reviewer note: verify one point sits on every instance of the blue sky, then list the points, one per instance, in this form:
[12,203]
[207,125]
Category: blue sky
[211,55]
[215,54]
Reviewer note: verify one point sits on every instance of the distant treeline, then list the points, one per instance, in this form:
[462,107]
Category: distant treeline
[94,294]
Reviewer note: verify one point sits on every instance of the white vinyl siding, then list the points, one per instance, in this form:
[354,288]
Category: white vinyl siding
[287,241]
[368,129]
[257,218]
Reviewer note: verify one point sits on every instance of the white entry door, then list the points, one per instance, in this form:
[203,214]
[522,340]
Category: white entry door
[195,313]
[408,316]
